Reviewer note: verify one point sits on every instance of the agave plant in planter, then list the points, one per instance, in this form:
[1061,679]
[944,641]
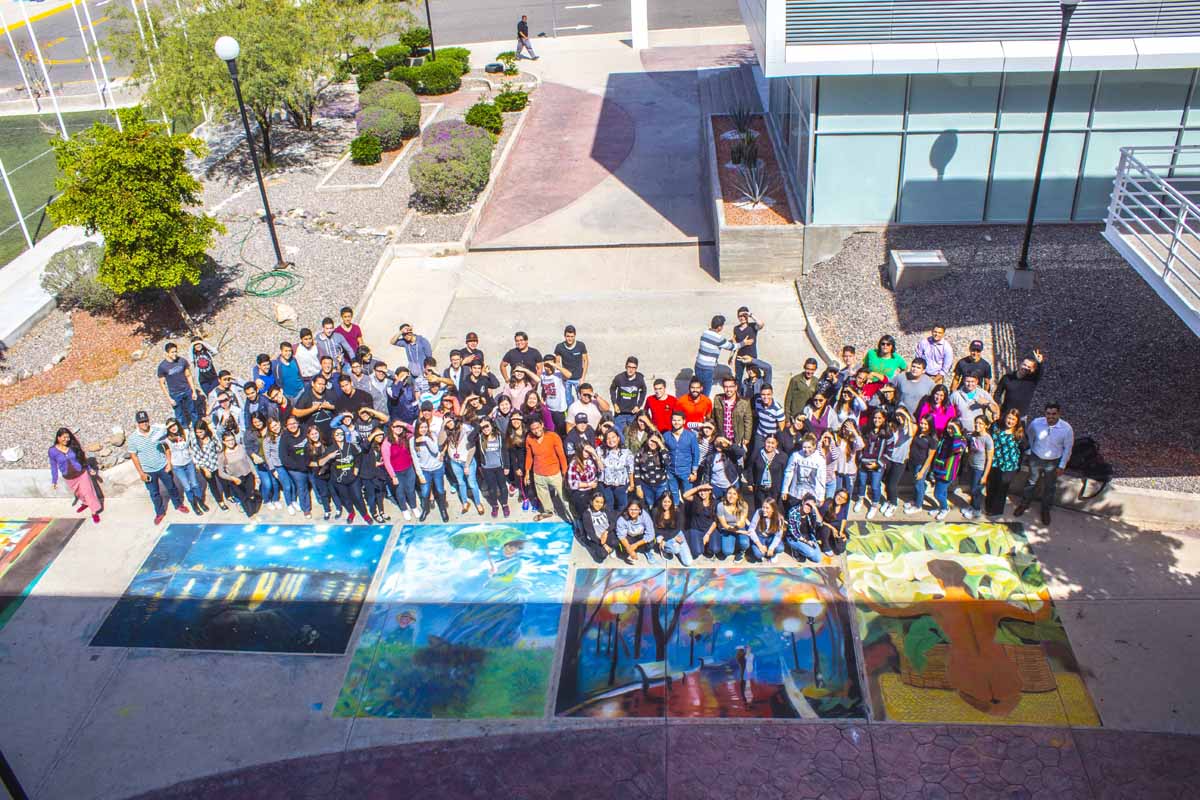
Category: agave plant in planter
[753,183]
[742,119]
[743,151]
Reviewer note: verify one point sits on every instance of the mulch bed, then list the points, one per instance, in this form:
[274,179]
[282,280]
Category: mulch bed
[777,214]
[99,348]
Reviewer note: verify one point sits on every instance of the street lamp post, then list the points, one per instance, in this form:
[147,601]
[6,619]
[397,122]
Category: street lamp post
[227,49]
[429,23]
[1021,277]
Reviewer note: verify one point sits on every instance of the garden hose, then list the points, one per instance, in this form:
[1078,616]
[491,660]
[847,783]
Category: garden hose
[265,283]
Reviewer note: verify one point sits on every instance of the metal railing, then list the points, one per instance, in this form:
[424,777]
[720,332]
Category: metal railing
[1154,222]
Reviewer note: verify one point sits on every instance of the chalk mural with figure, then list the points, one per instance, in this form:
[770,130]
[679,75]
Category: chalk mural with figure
[464,624]
[737,642]
[957,626]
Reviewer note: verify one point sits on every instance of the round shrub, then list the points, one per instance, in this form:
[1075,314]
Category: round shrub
[393,55]
[432,77]
[466,138]
[391,126]
[512,100]
[359,59]
[444,181]
[366,149]
[369,72]
[460,54]
[70,276]
[390,94]
[486,116]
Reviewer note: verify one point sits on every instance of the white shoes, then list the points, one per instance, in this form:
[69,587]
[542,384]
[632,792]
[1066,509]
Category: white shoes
[292,510]
[909,508]
[407,514]
[889,510]
[858,505]
[970,513]
[871,512]
[941,515]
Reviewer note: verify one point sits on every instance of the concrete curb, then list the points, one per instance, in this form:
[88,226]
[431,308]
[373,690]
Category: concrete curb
[23,484]
[1181,509]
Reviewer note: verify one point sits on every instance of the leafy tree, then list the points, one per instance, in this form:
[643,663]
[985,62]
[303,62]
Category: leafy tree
[290,54]
[133,186]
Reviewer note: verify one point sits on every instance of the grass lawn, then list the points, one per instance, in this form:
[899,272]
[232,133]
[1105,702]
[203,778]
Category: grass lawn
[31,170]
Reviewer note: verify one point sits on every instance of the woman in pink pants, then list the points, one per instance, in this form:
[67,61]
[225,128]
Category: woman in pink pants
[68,460]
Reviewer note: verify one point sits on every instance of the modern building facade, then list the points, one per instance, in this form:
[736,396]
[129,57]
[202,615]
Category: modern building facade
[931,111]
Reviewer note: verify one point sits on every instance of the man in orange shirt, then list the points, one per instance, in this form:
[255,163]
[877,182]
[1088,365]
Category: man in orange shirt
[695,405]
[545,465]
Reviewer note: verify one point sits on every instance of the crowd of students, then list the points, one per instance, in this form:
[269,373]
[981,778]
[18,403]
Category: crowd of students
[731,470]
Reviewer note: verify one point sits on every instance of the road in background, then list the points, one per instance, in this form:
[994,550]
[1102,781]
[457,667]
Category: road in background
[62,45]
[464,21]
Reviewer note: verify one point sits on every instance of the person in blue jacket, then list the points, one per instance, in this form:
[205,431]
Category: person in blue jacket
[684,450]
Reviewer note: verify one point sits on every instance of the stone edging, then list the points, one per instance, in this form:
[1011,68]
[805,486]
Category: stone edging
[323,185]
[1116,501]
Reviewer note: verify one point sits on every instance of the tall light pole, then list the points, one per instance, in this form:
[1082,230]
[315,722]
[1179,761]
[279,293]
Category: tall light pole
[1021,277]
[429,22]
[227,49]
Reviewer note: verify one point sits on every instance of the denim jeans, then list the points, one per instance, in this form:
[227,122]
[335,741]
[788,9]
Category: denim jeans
[152,486]
[802,551]
[705,375]
[268,486]
[695,541]
[846,482]
[678,484]
[977,488]
[830,487]
[622,421]
[646,550]
[1046,471]
[287,489]
[466,481]
[677,546]
[299,481]
[435,482]
[404,490]
[572,387]
[617,497]
[941,490]
[189,480]
[920,486]
[872,479]
[652,494]
[323,489]
[185,408]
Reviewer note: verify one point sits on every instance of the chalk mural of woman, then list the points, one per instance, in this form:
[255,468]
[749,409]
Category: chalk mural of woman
[495,620]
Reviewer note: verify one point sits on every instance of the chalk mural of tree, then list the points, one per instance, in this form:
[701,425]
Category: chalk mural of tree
[672,603]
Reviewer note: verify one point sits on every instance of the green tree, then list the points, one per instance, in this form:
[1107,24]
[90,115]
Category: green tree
[290,50]
[133,187]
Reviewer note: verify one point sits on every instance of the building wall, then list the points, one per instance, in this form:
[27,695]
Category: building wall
[963,147]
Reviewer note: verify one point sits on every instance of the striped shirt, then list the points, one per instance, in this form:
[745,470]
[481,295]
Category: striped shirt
[147,447]
[767,418]
[711,345]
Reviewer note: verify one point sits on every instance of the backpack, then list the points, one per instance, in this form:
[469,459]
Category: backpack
[1087,462]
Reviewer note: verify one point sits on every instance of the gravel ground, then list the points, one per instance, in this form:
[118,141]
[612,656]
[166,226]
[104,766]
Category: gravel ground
[350,173]
[334,238]
[1102,329]
[35,349]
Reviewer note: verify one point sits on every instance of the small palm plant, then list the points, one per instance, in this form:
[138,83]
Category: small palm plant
[742,118]
[744,151]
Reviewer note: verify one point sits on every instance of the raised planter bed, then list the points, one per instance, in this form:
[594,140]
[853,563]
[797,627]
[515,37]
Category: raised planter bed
[346,176]
[751,243]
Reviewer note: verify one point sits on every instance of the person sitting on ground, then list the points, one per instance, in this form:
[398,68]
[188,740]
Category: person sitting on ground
[635,533]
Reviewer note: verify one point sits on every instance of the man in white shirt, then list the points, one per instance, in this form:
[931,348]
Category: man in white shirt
[308,356]
[1051,439]
[804,473]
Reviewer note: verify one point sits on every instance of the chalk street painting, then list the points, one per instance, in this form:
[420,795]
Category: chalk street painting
[464,624]
[254,588]
[771,642]
[27,548]
[957,626]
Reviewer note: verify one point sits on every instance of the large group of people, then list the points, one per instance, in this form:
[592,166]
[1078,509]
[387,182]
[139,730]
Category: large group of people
[733,468]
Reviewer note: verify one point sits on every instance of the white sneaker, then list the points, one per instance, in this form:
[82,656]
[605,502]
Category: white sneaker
[969,513]
[407,514]
[292,510]
[889,510]
[909,508]
[871,512]
[773,558]
[858,505]
[941,515]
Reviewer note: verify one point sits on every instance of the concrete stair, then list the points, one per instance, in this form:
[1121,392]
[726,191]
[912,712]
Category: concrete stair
[724,89]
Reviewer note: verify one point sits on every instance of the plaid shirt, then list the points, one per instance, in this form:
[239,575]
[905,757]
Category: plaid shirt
[206,456]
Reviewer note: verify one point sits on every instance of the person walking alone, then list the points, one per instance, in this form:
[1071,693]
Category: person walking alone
[523,38]
[68,461]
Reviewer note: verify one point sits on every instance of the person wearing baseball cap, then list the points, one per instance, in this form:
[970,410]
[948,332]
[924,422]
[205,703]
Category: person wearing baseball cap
[973,364]
[152,461]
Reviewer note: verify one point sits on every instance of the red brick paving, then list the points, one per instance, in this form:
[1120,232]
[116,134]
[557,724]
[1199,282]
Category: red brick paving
[572,140]
[847,761]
